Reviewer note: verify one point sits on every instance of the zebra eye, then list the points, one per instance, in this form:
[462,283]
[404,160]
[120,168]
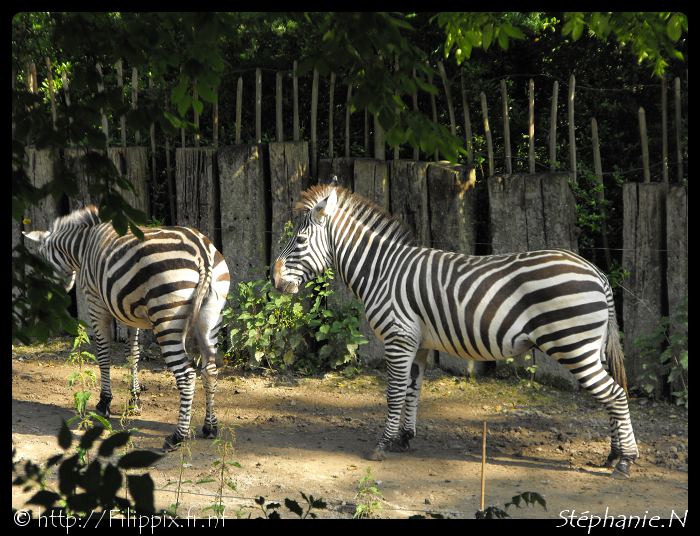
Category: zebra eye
[302,239]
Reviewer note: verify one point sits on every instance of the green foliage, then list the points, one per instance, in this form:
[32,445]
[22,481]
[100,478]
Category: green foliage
[224,448]
[369,496]
[672,363]
[281,331]
[292,506]
[87,487]
[87,377]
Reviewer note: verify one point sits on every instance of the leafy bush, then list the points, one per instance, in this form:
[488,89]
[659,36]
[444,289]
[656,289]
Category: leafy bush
[672,362]
[278,331]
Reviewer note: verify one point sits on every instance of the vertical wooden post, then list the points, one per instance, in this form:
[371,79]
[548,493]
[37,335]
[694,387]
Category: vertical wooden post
[396,109]
[432,104]
[601,195]
[347,122]
[53,97]
[572,132]
[679,159]
[278,92]
[105,125]
[553,130]
[296,103]
[506,126]
[330,117]
[168,173]
[468,139]
[239,104]
[135,99]
[258,105]
[66,92]
[483,467]
[195,98]
[314,112]
[416,150]
[366,132]
[450,107]
[215,127]
[531,132]
[489,142]
[664,128]
[120,85]
[645,145]
[154,207]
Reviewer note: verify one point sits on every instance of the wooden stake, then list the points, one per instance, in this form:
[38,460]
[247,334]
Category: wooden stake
[483,467]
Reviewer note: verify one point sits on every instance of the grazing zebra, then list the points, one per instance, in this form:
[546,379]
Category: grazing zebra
[482,308]
[173,282]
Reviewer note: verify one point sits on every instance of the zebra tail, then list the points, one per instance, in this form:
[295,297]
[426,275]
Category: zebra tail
[203,289]
[616,364]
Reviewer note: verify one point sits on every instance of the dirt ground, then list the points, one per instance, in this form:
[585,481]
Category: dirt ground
[314,435]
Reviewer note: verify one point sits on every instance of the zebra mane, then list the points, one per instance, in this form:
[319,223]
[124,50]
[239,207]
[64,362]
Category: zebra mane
[362,210]
[86,217]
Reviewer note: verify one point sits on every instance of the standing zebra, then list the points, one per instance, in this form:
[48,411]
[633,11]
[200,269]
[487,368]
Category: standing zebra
[174,282]
[482,308]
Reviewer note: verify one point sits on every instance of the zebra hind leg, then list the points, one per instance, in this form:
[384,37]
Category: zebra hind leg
[409,430]
[135,405]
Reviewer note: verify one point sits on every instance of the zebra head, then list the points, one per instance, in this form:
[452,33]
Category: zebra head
[308,252]
[47,250]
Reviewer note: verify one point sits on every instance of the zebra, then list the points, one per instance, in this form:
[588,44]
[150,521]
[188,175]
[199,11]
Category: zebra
[483,308]
[173,282]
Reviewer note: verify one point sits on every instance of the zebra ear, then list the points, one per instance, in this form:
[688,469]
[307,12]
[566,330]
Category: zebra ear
[326,207]
[334,181]
[34,236]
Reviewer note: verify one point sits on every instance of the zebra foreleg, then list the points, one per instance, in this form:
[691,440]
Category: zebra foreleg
[399,362]
[101,321]
[409,429]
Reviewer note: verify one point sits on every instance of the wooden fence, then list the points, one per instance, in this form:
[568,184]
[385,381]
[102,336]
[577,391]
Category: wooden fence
[241,196]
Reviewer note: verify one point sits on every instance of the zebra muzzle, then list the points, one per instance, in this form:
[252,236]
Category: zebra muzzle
[281,283]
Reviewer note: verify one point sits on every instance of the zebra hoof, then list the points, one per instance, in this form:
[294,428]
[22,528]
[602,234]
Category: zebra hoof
[172,442]
[102,409]
[210,432]
[135,406]
[621,470]
[378,454]
[400,444]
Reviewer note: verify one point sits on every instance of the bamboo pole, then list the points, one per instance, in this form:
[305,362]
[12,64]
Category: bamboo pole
[239,105]
[489,142]
[645,145]
[278,103]
[506,126]
[396,110]
[572,132]
[468,139]
[553,130]
[154,207]
[366,132]
[168,173]
[601,195]
[531,131]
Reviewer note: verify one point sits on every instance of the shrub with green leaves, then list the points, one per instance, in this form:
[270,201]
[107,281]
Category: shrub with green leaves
[298,331]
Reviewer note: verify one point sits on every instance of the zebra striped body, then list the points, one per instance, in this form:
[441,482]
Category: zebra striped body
[483,308]
[173,282]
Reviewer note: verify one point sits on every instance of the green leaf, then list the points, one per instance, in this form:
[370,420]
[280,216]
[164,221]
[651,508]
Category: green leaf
[674,28]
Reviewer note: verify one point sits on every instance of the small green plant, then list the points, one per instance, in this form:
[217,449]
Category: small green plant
[87,377]
[369,506]
[84,488]
[224,448]
[672,362]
